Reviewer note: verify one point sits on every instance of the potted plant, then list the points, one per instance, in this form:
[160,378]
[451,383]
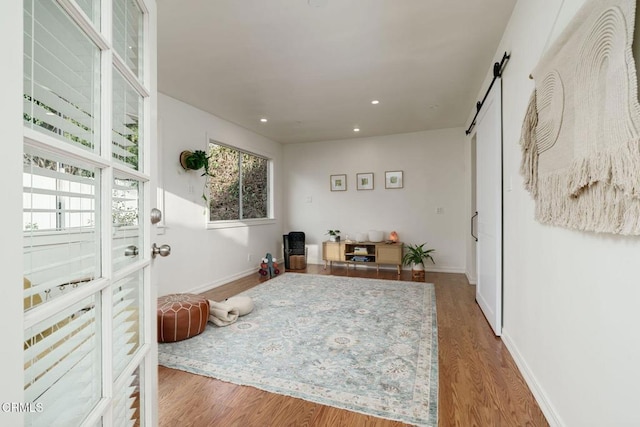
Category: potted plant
[416,255]
[195,160]
[334,235]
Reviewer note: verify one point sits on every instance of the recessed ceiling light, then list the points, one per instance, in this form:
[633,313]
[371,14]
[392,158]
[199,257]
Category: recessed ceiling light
[356,129]
[263,120]
[375,102]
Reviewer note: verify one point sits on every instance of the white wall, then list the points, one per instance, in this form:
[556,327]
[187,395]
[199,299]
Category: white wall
[11,127]
[571,317]
[203,258]
[433,166]
[471,269]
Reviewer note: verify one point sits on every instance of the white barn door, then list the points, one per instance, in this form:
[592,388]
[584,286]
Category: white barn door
[489,206]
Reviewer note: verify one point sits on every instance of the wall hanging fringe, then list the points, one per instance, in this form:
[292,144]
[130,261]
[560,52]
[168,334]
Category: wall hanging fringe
[580,137]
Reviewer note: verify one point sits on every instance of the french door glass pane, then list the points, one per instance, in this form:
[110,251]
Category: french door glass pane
[63,372]
[127,320]
[61,76]
[127,34]
[128,401]
[127,123]
[92,9]
[127,229]
[60,213]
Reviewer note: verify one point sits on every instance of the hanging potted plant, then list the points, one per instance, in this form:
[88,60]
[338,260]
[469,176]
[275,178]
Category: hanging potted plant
[195,160]
[416,255]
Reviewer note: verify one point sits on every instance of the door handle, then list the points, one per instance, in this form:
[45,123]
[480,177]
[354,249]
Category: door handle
[472,218]
[131,251]
[164,250]
[156,215]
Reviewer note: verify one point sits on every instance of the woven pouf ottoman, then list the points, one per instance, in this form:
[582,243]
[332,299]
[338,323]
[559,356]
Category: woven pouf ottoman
[181,316]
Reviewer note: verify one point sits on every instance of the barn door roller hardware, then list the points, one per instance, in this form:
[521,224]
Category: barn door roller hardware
[498,67]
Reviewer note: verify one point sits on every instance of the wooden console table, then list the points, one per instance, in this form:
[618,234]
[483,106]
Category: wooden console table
[365,253]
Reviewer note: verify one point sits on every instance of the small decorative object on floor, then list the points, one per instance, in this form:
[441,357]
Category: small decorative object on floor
[415,256]
[243,304]
[181,316]
[297,262]
[269,266]
[226,312]
[222,314]
[417,275]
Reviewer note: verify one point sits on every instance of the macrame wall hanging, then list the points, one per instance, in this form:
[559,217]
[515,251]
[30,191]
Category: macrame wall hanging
[581,134]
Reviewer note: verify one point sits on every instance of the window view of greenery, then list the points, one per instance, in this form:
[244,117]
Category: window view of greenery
[48,128]
[238,184]
[125,202]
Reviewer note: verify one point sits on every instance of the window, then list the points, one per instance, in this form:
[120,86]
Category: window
[127,34]
[126,134]
[61,77]
[238,184]
[61,243]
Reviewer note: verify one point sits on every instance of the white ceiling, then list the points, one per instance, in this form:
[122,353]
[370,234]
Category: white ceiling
[312,67]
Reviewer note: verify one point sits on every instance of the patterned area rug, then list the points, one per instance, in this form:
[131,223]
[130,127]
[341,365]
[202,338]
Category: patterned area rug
[364,345]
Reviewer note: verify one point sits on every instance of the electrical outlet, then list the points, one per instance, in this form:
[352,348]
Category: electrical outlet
[191,189]
[249,257]
[439,211]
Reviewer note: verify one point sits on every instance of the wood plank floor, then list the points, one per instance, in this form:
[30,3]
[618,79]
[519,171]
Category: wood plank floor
[479,383]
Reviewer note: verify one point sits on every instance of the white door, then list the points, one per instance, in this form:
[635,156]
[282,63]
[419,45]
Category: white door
[489,207]
[88,188]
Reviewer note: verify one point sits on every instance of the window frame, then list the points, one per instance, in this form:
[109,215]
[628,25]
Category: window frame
[250,222]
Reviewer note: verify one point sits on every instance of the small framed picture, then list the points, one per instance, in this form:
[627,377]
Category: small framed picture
[338,182]
[364,181]
[393,179]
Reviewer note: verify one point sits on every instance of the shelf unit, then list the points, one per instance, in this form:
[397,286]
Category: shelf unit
[365,253]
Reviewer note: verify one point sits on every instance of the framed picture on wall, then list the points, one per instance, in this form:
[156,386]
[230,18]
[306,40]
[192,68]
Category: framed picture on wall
[364,181]
[338,182]
[393,179]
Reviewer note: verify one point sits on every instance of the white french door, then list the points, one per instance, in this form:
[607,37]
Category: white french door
[488,136]
[89,312]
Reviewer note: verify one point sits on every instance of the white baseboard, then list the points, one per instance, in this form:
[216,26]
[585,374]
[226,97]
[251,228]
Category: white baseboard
[430,268]
[471,279]
[222,281]
[437,269]
[541,397]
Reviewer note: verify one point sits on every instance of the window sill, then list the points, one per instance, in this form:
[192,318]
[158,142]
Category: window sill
[241,223]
